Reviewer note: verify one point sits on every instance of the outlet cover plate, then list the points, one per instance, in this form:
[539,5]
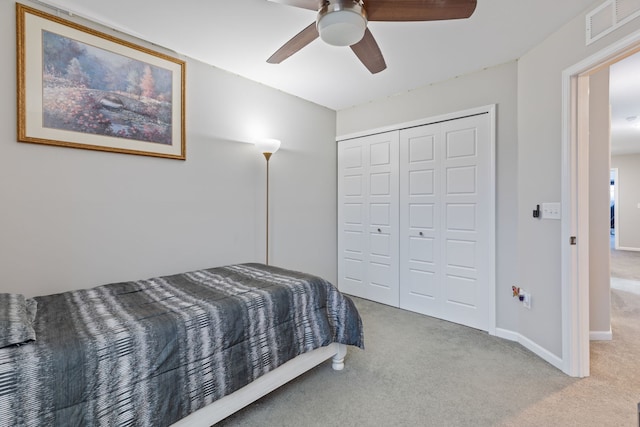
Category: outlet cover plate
[526,301]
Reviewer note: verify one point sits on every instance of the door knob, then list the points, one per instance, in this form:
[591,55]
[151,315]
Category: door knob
[421,233]
[379,231]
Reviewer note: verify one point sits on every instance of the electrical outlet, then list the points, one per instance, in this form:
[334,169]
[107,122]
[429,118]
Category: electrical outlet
[523,296]
[526,300]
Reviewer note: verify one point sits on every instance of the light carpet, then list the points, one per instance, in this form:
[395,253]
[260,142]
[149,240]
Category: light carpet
[421,371]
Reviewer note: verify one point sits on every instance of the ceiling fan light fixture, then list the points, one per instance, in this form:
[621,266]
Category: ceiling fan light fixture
[342,24]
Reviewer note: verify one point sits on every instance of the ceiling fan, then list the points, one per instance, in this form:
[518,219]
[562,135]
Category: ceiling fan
[344,23]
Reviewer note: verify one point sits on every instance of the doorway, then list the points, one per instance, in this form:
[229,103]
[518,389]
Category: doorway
[575,201]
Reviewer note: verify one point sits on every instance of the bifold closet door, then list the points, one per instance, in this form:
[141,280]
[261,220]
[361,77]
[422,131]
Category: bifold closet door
[368,217]
[420,206]
[445,220]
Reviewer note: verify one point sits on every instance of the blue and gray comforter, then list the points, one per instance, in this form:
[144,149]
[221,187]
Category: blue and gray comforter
[150,352]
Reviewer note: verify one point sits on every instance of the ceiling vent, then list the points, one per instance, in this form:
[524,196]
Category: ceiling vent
[610,15]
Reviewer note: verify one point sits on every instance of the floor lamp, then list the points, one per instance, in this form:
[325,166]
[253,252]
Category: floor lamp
[267,147]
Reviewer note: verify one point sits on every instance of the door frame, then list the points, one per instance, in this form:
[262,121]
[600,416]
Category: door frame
[575,202]
[491,111]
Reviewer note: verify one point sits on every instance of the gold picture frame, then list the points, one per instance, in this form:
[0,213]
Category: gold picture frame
[81,88]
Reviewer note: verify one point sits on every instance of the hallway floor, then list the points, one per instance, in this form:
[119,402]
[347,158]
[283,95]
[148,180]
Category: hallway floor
[625,269]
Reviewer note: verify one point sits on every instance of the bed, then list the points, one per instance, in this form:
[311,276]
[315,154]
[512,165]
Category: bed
[187,349]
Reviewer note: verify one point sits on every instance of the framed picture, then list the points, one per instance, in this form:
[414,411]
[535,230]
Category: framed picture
[78,87]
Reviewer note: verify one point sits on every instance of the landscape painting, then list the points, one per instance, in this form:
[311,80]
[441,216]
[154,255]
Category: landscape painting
[91,90]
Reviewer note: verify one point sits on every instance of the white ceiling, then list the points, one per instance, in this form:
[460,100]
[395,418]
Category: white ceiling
[239,35]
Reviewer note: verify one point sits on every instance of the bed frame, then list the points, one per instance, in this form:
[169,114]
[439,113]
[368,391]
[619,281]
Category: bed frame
[222,408]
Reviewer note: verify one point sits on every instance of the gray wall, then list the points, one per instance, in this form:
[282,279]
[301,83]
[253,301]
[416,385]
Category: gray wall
[75,218]
[628,225]
[539,171]
[494,85]
[599,210]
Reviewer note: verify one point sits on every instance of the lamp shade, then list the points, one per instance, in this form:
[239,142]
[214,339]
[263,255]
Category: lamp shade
[342,25]
[267,145]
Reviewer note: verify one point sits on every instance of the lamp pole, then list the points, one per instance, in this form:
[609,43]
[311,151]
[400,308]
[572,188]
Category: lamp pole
[267,147]
[267,156]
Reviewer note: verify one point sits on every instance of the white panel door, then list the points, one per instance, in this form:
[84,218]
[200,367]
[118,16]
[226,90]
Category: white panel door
[467,216]
[352,238]
[420,263]
[445,220]
[368,217]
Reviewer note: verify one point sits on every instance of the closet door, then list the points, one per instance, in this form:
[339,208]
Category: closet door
[368,217]
[467,220]
[446,219]
[420,237]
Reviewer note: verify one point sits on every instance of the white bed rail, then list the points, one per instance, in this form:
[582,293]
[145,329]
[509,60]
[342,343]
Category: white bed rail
[222,408]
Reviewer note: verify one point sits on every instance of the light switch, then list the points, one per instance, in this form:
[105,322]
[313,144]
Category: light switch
[551,211]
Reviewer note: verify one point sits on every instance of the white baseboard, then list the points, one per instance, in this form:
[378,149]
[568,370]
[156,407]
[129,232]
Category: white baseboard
[543,353]
[624,248]
[507,334]
[626,285]
[601,335]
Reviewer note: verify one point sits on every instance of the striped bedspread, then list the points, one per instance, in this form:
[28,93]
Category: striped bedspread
[149,352]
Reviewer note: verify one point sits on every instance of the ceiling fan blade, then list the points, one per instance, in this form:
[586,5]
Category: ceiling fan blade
[298,41]
[418,10]
[304,4]
[369,53]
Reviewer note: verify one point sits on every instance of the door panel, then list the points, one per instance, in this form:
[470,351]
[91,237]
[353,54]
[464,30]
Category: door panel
[380,214]
[421,215]
[420,272]
[422,284]
[421,148]
[461,180]
[352,185]
[351,235]
[421,182]
[352,213]
[380,245]
[421,250]
[353,242]
[380,152]
[466,219]
[461,143]
[460,290]
[380,184]
[368,205]
[461,254]
[444,184]
[461,216]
